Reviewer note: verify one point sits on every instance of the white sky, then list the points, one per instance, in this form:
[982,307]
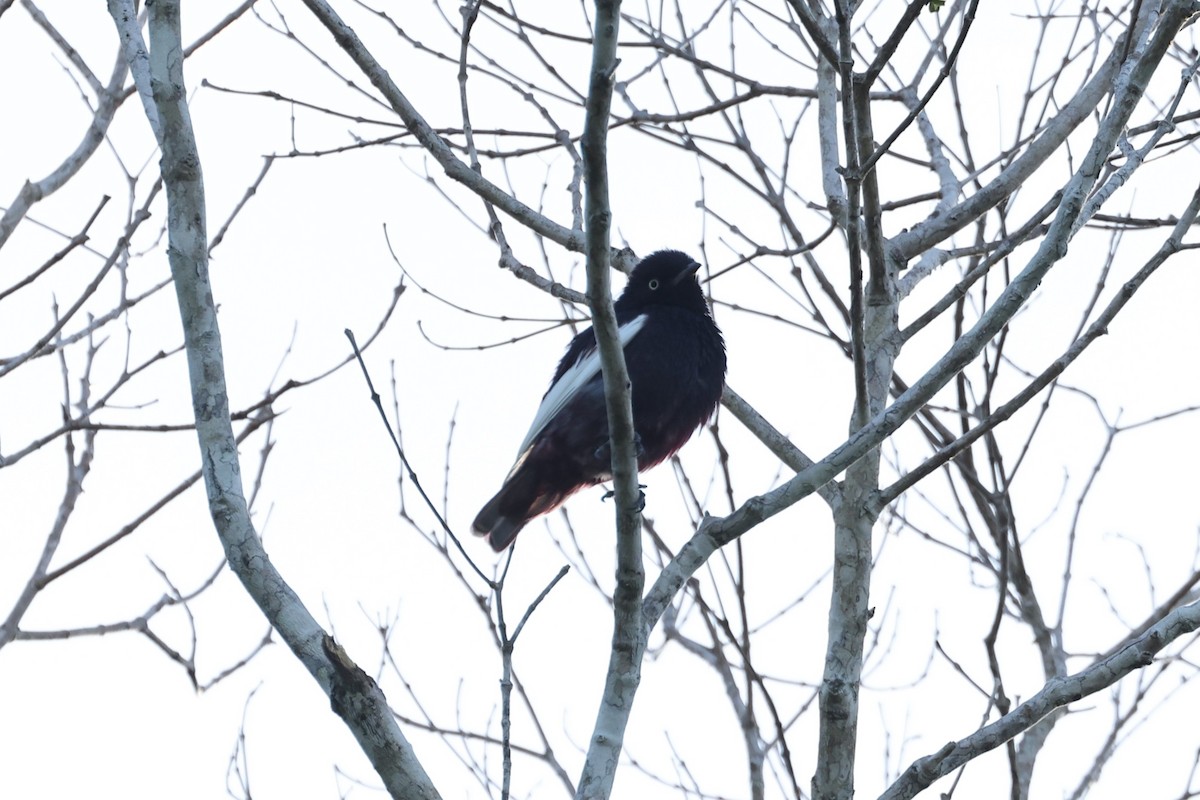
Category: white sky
[307,258]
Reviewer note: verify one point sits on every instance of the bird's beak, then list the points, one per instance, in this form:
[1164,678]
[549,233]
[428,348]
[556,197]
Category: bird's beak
[691,270]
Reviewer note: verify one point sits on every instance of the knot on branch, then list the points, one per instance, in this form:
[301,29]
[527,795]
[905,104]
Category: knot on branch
[836,699]
[351,691]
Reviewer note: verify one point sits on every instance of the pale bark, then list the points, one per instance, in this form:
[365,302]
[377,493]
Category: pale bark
[353,695]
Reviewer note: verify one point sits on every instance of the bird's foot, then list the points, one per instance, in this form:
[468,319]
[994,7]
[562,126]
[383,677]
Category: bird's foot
[641,503]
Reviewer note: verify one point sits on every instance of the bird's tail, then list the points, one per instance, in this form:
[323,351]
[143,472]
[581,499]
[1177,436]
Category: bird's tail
[522,497]
[499,529]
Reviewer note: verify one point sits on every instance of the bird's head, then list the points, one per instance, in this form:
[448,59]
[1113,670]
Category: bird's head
[667,277]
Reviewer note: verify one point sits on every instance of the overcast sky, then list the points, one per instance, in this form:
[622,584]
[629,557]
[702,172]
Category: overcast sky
[315,251]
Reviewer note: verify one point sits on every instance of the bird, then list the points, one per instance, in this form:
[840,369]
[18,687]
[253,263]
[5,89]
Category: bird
[675,356]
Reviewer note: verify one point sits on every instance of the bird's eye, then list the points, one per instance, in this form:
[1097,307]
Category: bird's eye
[653,284]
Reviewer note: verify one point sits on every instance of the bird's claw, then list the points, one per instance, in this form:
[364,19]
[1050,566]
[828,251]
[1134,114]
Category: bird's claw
[641,502]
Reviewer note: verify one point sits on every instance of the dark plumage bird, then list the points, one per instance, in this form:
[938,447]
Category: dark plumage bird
[676,361]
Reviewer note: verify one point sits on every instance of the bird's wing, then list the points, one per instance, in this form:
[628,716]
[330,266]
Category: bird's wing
[568,385]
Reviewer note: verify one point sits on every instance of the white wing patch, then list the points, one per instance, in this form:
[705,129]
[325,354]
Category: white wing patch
[574,379]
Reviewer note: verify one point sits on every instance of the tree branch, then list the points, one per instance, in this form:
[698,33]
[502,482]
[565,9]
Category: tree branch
[629,634]
[1058,692]
[353,694]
